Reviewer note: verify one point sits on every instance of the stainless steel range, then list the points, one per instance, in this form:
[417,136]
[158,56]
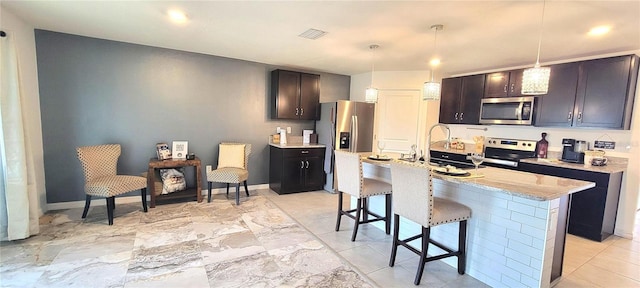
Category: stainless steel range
[508,152]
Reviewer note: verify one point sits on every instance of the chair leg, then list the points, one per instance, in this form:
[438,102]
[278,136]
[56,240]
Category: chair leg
[143,192]
[339,211]
[110,206]
[394,244]
[209,192]
[423,254]
[245,188]
[387,213]
[87,203]
[227,190]
[238,194]
[355,226]
[462,240]
[365,209]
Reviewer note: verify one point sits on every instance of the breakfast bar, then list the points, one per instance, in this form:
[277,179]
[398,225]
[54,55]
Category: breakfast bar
[517,229]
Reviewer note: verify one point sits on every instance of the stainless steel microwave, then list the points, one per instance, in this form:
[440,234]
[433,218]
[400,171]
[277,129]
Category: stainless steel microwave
[510,110]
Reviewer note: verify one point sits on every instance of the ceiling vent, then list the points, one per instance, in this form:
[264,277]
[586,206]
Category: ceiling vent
[312,34]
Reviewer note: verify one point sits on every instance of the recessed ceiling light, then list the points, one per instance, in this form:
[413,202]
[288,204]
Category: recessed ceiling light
[434,62]
[600,30]
[177,16]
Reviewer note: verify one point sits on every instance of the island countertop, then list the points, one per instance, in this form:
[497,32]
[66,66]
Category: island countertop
[523,184]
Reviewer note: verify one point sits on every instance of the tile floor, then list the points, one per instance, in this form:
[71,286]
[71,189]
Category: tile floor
[269,240]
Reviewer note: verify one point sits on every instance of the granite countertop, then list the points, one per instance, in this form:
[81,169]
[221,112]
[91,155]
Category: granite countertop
[614,165]
[297,145]
[523,184]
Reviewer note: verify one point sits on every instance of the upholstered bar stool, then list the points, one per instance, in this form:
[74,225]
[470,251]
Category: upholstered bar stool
[348,169]
[413,200]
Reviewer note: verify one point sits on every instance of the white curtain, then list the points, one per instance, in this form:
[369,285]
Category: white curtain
[18,195]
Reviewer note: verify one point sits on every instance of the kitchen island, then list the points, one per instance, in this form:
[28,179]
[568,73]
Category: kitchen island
[516,233]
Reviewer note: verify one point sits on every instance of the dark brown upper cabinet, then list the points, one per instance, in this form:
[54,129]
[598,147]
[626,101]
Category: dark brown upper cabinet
[606,90]
[460,99]
[295,95]
[503,84]
[555,109]
[596,94]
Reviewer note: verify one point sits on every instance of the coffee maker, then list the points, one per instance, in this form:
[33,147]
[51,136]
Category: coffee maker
[573,150]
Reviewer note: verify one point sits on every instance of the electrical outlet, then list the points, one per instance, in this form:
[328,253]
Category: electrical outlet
[208,167]
[278,130]
[289,130]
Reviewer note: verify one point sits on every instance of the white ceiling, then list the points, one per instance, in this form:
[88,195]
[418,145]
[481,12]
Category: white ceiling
[477,35]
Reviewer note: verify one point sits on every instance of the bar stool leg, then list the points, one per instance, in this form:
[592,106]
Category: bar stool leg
[339,211]
[387,213]
[394,245]
[462,240]
[357,218]
[423,255]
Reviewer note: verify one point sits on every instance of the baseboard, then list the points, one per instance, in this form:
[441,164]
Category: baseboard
[136,199]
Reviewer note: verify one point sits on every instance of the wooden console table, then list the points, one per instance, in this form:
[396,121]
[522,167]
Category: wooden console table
[154,164]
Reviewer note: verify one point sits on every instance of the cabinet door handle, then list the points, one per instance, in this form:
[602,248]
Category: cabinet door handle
[307,164]
[505,88]
[301,111]
[461,115]
[456,116]
[569,117]
[301,164]
[304,151]
[297,110]
[513,86]
[580,117]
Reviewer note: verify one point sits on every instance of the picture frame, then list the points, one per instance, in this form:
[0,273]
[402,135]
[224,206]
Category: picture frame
[180,149]
[162,151]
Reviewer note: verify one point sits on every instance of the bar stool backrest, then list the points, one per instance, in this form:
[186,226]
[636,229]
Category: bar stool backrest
[412,192]
[348,169]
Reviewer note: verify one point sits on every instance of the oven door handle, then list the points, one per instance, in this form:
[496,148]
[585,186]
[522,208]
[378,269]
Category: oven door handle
[499,161]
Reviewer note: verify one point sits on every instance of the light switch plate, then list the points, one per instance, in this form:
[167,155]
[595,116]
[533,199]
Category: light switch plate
[289,130]
[278,130]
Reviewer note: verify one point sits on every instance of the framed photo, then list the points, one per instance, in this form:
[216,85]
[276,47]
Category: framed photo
[163,152]
[180,149]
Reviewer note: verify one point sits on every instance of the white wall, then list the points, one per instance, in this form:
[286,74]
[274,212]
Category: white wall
[24,41]
[399,80]
[627,141]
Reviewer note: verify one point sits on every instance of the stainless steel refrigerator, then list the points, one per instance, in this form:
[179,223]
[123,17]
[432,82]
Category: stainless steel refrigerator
[344,125]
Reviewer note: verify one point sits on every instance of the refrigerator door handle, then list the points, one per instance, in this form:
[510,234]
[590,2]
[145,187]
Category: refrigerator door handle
[354,134]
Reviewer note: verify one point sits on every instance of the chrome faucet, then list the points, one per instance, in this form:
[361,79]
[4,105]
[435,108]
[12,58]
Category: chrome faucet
[446,145]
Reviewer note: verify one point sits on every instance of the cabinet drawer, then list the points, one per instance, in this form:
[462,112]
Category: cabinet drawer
[302,152]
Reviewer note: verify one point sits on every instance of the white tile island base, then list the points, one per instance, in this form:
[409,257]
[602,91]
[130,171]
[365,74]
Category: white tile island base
[511,239]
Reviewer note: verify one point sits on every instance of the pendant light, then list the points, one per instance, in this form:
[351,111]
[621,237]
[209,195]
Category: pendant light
[431,89]
[535,81]
[371,94]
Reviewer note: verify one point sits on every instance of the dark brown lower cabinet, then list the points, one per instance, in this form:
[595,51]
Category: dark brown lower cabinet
[296,169]
[592,212]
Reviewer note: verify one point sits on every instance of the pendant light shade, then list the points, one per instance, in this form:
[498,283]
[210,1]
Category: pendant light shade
[535,81]
[431,89]
[371,94]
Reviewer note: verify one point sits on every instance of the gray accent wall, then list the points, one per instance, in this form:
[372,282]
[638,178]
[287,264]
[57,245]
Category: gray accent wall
[95,91]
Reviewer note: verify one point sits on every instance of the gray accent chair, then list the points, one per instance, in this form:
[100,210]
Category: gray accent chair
[233,161]
[99,164]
